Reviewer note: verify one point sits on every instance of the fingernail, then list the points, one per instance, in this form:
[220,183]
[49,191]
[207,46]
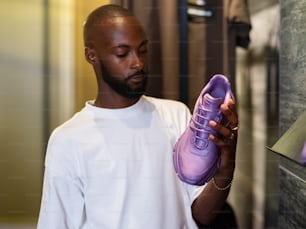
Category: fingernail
[212,123]
[225,107]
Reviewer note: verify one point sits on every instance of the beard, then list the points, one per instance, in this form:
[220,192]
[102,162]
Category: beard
[121,86]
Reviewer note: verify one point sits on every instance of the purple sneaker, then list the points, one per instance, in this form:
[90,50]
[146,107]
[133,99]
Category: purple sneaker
[303,154]
[196,158]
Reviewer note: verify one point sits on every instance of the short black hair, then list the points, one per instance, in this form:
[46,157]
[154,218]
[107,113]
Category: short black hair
[100,13]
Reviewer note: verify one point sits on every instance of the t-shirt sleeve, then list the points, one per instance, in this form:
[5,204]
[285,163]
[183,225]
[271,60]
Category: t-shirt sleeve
[62,204]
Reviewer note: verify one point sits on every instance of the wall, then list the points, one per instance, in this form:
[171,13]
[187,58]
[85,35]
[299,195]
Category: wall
[59,91]
[85,84]
[37,93]
[292,62]
[260,5]
[254,194]
[292,104]
[21,102]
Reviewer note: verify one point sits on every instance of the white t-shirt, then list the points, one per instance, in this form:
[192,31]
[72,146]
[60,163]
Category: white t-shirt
[113,169]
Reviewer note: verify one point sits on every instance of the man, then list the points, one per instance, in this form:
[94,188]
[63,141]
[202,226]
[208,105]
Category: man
[110,166]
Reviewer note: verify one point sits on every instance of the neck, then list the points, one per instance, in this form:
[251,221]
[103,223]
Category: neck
[114,101]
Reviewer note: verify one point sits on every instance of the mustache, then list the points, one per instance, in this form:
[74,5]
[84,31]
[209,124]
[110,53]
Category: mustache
[137,73]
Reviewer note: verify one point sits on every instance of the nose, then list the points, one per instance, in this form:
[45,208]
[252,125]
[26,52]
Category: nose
[137,61]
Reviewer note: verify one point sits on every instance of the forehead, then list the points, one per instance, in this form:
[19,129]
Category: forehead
[120,30]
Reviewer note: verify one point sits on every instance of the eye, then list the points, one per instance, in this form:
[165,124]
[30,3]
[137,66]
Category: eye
[122,55]
[143,50]
[121,51]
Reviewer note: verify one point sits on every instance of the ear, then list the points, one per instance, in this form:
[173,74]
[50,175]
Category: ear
[90,55]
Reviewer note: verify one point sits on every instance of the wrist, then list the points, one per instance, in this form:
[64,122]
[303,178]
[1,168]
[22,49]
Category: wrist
[222,180]
[224,176]
[223,187]
[226,170]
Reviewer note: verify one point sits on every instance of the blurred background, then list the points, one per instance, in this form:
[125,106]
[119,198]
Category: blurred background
[44,79]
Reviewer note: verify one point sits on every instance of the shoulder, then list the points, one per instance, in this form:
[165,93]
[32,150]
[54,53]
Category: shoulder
[174,113]
[71,128]
[167,104]
[65,141]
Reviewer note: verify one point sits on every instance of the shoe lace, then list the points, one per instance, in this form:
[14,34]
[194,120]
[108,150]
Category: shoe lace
[200,125]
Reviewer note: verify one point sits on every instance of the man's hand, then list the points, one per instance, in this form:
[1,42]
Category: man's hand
[227,140]
[206,206]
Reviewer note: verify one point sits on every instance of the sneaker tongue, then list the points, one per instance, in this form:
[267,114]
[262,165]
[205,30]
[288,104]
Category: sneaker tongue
[212,102]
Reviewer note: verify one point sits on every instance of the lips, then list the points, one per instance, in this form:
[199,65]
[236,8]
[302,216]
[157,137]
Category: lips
[137,78]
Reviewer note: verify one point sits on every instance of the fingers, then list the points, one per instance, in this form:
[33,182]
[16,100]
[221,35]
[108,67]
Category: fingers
[228,131]
[227,134]
[229,111]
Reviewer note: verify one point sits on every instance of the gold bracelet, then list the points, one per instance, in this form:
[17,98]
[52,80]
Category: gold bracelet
[220,188]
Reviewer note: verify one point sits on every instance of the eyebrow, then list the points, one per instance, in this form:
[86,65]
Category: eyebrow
[128,46]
